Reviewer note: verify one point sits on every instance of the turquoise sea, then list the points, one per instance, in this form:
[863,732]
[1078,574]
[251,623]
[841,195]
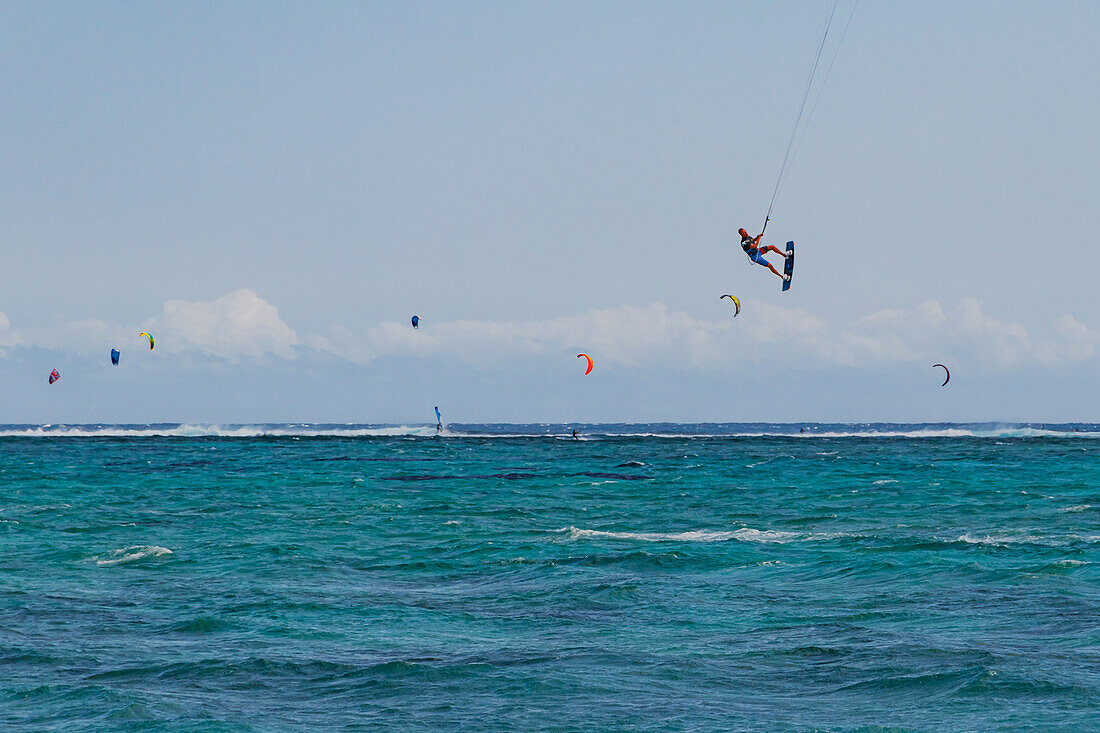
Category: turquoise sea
[508,578]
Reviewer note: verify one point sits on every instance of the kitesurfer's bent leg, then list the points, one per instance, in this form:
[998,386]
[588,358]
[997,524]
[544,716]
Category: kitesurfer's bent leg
[772,248]
[771,267]
[758,258]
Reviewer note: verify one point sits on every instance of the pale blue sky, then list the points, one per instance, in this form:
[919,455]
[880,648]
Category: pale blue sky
[563,177]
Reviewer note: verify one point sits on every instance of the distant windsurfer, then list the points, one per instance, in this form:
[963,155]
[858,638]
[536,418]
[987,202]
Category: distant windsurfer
[756,253]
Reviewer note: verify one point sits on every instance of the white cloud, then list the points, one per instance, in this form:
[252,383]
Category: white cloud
[928,331]
[764,334]
[234,326]
[627,335]
[238,325]
[633,336]
[1069,341]
[8,337]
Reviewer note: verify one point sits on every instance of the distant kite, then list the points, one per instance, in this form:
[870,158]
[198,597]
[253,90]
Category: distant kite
[54,376]
[114,356]
[946,370]
[590,363]
[416,321]
[736,304]
[148,336]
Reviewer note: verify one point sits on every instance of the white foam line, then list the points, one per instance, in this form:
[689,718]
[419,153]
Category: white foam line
[189,430]
[745,534]
[132,554]
[218,431]
[1043,540]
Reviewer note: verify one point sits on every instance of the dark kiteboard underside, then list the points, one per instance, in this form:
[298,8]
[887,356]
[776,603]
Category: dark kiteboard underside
[788,267]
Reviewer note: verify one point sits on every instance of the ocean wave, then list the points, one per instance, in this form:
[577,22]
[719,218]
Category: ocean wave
[554,432]
[188,430]
[37,507]
[745,534]
[131,554]
[1007,540]
[1061,567]
[959,432]
[767,460]
[881,430]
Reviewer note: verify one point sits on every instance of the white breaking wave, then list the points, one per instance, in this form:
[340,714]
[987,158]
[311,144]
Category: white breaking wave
[745,534]
[942,433]
[1006,540]
[595,433]
[508,431]
[131,554]
[218,431]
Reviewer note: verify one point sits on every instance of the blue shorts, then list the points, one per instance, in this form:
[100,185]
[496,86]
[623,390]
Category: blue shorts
[755,256]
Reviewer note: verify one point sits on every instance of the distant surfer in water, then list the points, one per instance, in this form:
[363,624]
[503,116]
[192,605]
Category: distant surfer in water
[574,433]
[756,253]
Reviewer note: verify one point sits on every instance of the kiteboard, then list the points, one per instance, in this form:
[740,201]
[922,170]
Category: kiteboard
[788,266]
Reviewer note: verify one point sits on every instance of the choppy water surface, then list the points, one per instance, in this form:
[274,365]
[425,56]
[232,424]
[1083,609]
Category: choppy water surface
[755,578]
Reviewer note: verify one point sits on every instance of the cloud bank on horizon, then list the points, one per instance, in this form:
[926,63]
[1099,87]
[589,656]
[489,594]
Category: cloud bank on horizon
[239,325]
[242,325]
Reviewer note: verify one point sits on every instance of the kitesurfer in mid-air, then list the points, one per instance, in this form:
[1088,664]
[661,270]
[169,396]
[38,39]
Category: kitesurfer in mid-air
[756,252]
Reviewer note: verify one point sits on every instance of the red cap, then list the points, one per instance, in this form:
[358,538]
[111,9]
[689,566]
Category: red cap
[742,232]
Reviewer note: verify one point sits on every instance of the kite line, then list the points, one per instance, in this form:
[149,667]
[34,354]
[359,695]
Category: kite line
[802,108]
